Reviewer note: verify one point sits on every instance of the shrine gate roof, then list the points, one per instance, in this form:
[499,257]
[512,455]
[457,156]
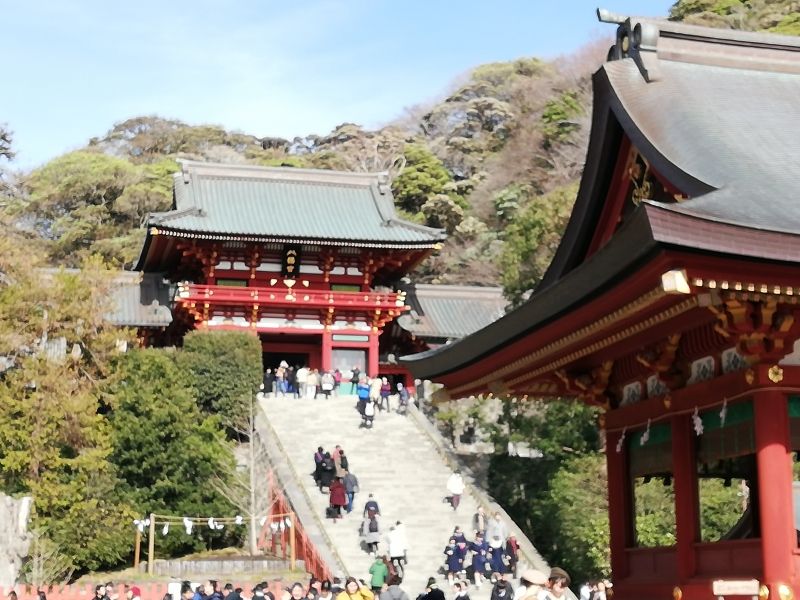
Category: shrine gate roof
[287,204]
[715,113]
[451,311]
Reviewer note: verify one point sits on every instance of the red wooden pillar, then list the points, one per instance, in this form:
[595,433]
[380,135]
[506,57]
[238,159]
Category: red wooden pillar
[774,488]
[372,354]
[327,350]
[620,506]
[684,477]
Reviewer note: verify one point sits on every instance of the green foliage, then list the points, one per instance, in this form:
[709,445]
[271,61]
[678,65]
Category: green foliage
[788,25]
[88,202]
[54,444]
[166,451]
[582,540]
[532,239]
[423,177]
[655,513]
[777,16]
[558,123]
[225,370]
[720,508]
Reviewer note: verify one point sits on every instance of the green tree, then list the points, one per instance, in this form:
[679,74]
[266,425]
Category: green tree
[532,239]
[6,138]
[54,444]
[225,369]
[582,539]
[165,450]
[423,177]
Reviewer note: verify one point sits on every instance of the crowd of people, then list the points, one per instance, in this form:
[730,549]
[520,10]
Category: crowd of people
[491,553]
[374,393]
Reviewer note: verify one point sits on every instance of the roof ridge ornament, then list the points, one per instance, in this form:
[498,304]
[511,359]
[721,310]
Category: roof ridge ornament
[636,39]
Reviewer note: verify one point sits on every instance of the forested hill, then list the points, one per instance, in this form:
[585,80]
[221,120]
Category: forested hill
[496,162]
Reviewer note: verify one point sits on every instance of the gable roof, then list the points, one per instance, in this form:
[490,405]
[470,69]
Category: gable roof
[287,204]
[140,300]
[447,312]
[715,113]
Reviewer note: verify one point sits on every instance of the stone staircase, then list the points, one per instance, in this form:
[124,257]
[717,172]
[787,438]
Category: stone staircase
[395,460]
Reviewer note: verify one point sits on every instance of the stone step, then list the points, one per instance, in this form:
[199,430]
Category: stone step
[395,461]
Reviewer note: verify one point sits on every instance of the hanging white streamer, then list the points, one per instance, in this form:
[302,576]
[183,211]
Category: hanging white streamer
[211,523]
[188,524]
[263,520]
[723,413]
[238,519]
[288,522]
[219,526]
[645,437]
[697,422]
[621,440]
[165,530]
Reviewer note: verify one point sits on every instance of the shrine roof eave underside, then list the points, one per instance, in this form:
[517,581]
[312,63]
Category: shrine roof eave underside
[602,296]
[158,254]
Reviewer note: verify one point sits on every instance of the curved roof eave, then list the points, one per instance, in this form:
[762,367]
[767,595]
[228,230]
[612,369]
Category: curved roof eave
[610,121]
[633,244]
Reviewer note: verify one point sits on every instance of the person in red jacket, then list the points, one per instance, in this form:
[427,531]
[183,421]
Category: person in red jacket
[338,498]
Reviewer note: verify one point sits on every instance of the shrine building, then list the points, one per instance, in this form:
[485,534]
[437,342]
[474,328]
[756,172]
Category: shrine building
[672,304]
[312,261]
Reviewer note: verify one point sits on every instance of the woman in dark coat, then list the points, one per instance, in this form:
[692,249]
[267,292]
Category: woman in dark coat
[454,560]
[327,471]
[338,497]
[269,382]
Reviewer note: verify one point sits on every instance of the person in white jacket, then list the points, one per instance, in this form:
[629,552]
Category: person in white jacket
[455,487]
[398,547]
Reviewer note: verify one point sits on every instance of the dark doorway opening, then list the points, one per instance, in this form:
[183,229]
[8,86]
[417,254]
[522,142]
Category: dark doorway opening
[293,359]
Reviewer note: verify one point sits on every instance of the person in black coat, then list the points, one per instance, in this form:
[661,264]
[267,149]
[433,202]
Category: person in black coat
[432,591]
[327,471]
[269,382]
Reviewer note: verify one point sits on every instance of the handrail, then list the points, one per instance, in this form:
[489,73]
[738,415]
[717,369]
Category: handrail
[261,419]
[526,547]
[187,292]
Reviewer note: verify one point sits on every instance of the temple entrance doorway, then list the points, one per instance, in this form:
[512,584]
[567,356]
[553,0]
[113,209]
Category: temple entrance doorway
[293,359]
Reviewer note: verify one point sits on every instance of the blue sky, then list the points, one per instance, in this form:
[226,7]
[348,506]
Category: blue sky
[72,68]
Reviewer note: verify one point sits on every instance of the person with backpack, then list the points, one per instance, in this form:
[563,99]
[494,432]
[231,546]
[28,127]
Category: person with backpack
[403,398]
[369,413]
[371,507]
[371,532]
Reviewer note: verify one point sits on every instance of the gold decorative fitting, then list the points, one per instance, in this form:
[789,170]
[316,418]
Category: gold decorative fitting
[749,376]
[677,593]
[775,374]
[763,592]
[667,402]
[785,592]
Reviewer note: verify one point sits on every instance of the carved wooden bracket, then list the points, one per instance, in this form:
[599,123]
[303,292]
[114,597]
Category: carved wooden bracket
[762,330]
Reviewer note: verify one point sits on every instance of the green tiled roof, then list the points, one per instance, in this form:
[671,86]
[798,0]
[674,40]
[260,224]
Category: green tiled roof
[287,204]
[141,300]
[450,312]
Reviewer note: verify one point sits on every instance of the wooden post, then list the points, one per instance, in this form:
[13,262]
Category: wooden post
[620,506]
[684,469]
[137,547]
[774,488]
[372,355]
[292,541]
[151,544]
[327,350]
